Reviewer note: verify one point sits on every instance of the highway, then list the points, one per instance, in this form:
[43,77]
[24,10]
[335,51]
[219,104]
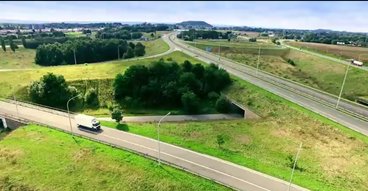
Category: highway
[349,114]
[224,172]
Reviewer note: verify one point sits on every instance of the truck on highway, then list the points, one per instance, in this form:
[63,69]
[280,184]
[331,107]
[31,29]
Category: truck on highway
[87,122]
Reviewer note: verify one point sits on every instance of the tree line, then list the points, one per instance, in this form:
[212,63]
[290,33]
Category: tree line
[118,33]
[203,34]
[86,51]
[170,84]
[12,45]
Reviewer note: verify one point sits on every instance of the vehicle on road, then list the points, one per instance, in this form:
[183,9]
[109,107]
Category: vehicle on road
[87,122]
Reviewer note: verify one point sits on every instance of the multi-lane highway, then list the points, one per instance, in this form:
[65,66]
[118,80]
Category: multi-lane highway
[221,171]
[350,114]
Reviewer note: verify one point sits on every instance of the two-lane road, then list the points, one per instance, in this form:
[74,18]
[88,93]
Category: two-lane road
[221,171]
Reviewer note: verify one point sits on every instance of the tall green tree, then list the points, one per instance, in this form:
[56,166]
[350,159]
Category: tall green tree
[51,90]
[24,42]
[139,49]
[13,46]
[3,44]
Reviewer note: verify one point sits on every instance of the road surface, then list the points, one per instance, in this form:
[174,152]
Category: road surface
[221,171]
[315,100]
[172,118]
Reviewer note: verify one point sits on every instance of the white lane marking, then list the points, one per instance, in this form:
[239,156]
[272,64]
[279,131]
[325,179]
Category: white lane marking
[188,162]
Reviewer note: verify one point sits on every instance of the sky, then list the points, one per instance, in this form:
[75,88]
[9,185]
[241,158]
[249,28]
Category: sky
[339,15]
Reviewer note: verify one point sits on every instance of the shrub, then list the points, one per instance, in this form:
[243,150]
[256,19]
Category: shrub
[190,102]
[91,98]
[223,105]
[117,114]
[291,62]
[220,140]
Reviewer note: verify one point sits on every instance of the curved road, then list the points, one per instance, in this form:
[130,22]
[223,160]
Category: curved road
[224,172]
[350,114]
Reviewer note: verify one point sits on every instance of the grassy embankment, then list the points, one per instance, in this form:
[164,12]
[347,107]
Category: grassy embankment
[38,158]
[99,76]
[333,157]
[310,70]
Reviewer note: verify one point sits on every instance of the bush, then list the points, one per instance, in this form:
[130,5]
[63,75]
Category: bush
[252,40]
[220,140]
[91,98]
[223,105]
[117,114]
[291,62]
[190,102]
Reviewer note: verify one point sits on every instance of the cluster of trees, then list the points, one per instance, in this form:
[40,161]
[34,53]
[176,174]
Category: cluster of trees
[51,90]
[118,33]
[12,45]
[170,84]
[145,27]
[86,51]
[358,39]
[204,34]
[34,43]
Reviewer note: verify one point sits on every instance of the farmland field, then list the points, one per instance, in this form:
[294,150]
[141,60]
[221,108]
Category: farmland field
[39,158]
[347,52]
[333,157]
[21,58]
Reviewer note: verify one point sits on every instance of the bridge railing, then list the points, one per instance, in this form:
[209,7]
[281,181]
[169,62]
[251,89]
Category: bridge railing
[40,107]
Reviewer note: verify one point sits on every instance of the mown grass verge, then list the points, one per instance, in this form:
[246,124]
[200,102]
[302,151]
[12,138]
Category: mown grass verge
[38,158]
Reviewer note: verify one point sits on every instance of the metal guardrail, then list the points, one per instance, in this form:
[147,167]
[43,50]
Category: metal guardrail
[346,111]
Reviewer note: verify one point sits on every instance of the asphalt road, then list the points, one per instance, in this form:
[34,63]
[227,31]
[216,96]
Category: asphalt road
[221,171]
[178,118]
[317,101]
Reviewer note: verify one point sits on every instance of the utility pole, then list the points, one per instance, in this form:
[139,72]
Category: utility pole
[259,54]
[158,138]
[219,52]
[75,58]
[342,86]
[296,159]
[67,106]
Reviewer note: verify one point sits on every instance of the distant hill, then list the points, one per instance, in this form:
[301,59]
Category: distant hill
[195,24]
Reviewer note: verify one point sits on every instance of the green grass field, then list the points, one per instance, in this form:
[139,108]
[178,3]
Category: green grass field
[155,47]
[74,34]
[25,58]
[310,70]
[13,81]
[39,158]
[333,157]
[21,58]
